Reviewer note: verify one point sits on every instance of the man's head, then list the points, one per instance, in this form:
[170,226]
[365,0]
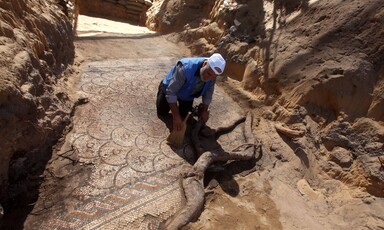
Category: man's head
[212,67]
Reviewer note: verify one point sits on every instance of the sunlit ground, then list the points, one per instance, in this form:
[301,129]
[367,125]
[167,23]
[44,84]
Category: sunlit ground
[90,26]
[268,7]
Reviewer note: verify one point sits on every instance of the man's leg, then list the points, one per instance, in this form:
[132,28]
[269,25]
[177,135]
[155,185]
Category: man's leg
[162,105]
[185,107]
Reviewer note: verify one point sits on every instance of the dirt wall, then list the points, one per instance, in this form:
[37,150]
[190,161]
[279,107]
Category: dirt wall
[132,11]
[37,50]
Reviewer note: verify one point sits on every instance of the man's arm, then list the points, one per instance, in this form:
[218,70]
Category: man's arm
[175,84]
[177,121]
[177,81]
[207,98]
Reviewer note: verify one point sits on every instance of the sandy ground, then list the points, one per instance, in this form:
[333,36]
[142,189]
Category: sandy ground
[98,39]
[91,26]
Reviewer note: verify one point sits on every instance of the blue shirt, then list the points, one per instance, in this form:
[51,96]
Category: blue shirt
[178,80]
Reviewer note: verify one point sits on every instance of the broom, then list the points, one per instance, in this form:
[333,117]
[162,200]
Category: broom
[176,138]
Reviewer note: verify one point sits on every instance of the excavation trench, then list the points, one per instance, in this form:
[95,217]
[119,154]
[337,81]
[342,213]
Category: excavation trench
[114,167]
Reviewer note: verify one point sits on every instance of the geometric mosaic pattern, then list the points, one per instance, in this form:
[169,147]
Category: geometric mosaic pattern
[134,179]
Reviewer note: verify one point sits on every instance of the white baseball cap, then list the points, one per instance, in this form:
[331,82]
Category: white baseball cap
[217,63]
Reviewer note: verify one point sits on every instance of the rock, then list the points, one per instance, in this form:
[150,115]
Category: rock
[369,200]
[334,139]
[273,148]
[341,157]
[268,114]
[374,147]
[306,190]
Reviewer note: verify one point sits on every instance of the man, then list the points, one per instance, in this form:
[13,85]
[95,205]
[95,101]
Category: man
[190,78]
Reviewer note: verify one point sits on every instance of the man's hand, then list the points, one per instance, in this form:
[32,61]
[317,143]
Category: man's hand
[177,122]
[204,116]
[203,113]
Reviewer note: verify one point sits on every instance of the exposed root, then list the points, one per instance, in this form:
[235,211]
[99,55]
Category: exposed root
[194,195]
[192,181]
[289,132]
[79,101]
[223,130]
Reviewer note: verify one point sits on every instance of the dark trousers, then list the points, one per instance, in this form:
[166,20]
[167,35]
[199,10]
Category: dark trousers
[163,108]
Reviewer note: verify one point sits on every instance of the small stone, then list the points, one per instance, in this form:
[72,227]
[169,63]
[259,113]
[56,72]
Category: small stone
[368,200]
[374,146]
[267,115]
[341,157]
[273,148]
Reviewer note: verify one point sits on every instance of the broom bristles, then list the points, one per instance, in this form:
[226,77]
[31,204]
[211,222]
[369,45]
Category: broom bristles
[176,138]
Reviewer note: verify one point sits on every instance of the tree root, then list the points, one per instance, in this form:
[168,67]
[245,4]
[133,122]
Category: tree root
[289,132]
[192,181]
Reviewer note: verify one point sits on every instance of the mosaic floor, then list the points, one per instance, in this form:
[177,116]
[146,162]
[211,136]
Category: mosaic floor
[132,176]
